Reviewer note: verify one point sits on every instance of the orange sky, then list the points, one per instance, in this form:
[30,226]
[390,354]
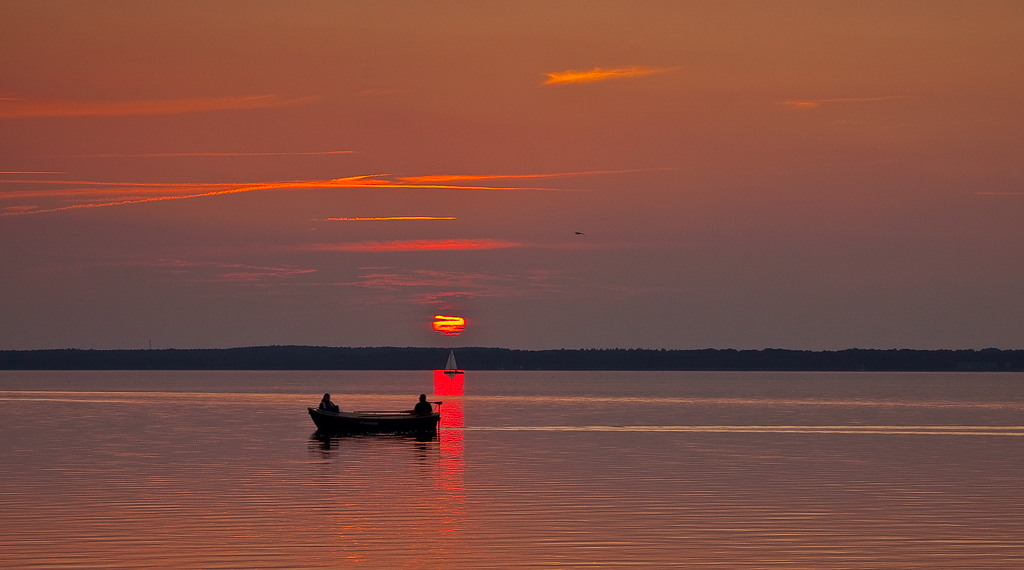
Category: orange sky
[742,174]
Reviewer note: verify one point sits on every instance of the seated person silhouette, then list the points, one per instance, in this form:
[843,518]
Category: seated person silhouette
[326,405]
[423,407]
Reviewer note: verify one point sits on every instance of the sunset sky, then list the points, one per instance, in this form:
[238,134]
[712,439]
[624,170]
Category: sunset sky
[579,174]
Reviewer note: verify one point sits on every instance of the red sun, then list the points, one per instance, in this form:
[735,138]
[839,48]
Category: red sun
[448,325]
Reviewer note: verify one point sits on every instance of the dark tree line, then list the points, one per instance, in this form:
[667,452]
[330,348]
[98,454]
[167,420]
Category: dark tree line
[473,358]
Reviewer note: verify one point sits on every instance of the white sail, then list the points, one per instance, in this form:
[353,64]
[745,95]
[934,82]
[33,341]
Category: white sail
[451,366]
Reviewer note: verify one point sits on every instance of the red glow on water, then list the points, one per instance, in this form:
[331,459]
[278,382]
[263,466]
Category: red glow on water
[449,325]
[448,384]
[451,467]
[452,415]
[452,445]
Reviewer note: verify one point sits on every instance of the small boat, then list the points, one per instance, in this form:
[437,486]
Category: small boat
[375,421]
[451,368]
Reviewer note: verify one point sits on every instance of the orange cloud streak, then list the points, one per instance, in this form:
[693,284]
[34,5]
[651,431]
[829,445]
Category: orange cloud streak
[12,108]
[390,218]
[127,193]
[601,74]
[217,189]
[135,189]
[15,210]
[199,154]
[95,189]
[440,178]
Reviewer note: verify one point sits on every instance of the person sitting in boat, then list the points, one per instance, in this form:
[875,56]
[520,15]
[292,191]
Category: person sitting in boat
[423,407]
[326,405]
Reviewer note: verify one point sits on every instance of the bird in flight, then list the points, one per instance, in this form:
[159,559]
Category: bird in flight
[580,234]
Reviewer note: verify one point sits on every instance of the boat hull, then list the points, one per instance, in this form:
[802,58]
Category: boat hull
[374,422]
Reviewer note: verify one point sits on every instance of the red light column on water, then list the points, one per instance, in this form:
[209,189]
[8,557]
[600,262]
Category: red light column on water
[448,384]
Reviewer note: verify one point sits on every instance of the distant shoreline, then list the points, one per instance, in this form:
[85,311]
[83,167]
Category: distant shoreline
[475,358]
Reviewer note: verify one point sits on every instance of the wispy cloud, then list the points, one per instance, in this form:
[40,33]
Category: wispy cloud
[433,288]
[196,154]
[445,288]
[381,91]
[14,108]
[442,178]
[15,210]
[221,271]
[413,245]
[815,103]
[601,74]
[120,193]
[439,182]
[97,194]
[261,273]
[393,279]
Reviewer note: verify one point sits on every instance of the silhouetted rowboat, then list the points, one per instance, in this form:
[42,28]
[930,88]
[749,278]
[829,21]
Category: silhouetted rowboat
[375,422]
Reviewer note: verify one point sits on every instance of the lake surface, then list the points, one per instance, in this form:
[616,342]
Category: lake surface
[550,469]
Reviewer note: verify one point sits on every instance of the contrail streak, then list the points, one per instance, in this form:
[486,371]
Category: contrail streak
[390,218]
[197,154]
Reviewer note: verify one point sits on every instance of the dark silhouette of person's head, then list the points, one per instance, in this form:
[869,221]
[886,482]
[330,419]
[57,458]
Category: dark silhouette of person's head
[423,397]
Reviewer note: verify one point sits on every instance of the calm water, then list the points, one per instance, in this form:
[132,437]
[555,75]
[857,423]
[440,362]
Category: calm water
[565,469]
